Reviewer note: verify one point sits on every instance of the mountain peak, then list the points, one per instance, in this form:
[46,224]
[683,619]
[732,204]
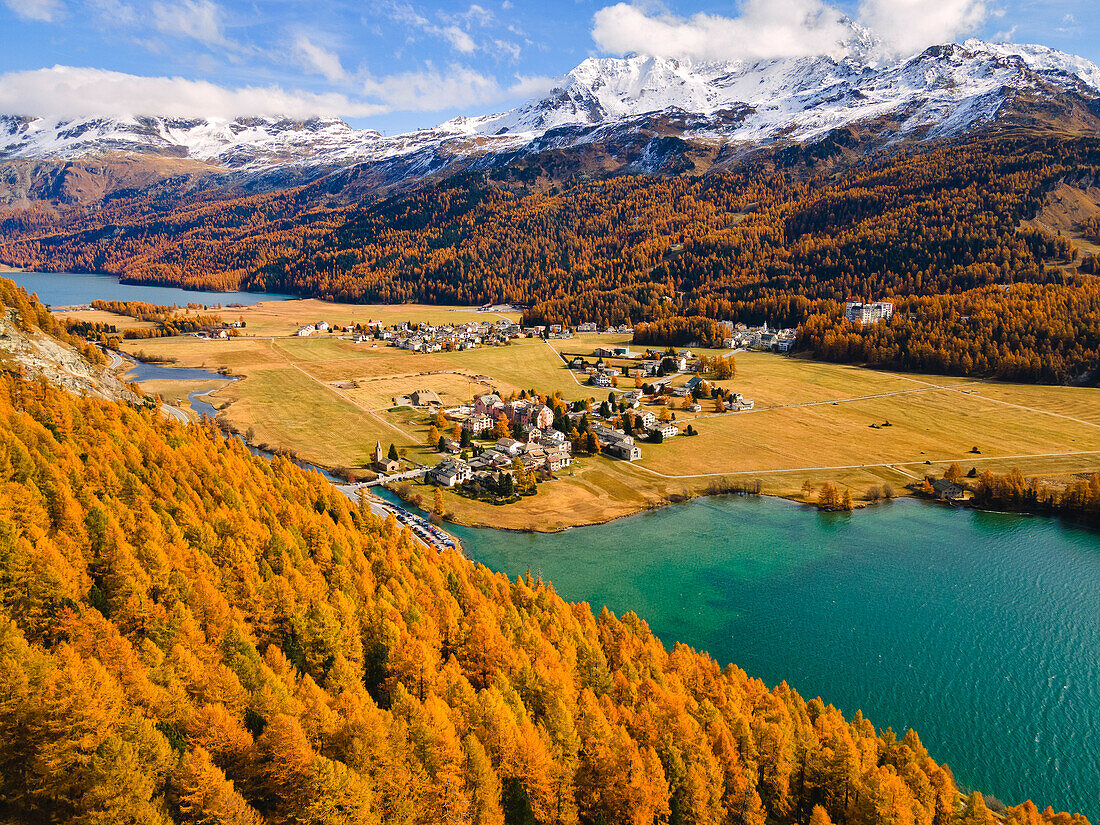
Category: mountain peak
[945,90]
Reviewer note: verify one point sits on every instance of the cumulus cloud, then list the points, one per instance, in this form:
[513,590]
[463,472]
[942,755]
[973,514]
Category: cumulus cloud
[45,11]
[70,92]
[908,26]
[318,59]
[783,28]
[765,28]
[198,19]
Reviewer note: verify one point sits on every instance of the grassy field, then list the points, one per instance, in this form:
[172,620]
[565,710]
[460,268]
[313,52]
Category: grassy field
[329,400]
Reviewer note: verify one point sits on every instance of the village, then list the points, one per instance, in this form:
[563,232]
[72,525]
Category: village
[425,338]
[460,410]
[500,449]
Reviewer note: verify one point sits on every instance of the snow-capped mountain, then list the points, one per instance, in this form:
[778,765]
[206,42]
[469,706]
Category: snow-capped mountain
[944,91]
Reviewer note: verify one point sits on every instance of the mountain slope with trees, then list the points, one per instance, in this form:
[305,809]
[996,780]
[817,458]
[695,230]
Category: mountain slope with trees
[193,634]
[783,239]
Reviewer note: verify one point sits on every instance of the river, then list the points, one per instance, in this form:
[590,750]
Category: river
[68,289]
[979,630]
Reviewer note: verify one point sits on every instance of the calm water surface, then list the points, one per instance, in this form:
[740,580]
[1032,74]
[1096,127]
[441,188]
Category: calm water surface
[979,630]
[64,289]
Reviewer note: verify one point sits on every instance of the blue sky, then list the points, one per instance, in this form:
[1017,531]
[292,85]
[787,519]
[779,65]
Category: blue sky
[396,65]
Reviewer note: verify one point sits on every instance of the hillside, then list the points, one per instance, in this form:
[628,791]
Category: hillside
[782,239]
[191,633]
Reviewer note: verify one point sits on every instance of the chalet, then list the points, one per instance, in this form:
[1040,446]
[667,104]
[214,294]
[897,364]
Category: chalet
[305,331]
[322,326]
[738,402]
[509,446]
[600,379]
[612,352]
[451,472]
[947,490]
[646,419]
[588,326]
[424,398]
[617,443]
[666,428]
[558,459]
[554,438]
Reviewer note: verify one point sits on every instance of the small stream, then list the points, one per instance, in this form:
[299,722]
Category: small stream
[145,371]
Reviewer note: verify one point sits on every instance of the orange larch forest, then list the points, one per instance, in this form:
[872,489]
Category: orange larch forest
[193,634]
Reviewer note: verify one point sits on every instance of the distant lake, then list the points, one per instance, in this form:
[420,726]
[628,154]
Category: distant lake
[979,630]
[64,289]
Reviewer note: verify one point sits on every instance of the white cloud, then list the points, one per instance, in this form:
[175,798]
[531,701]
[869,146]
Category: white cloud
[198,19]
[70,92]
[908,26]
[455,28]
[67,92]
[113,13]
[507,49]
[765,28]
[318,59]
[45,11]
[783,28]
[460,41]
[478,15]
[431,90]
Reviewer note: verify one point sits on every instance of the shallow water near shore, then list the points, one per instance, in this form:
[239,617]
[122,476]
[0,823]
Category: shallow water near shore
[979,630]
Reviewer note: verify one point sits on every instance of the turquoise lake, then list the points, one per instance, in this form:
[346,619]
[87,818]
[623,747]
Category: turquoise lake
[67,288]
[979,630]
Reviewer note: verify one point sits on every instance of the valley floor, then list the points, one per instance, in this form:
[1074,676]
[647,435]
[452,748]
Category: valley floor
[329,400]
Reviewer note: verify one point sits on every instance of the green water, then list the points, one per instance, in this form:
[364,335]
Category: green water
[979,630]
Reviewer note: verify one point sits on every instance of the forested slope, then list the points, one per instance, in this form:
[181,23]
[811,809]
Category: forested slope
[783,238]
[190,633]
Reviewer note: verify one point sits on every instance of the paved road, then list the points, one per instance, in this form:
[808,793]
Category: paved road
[176,413]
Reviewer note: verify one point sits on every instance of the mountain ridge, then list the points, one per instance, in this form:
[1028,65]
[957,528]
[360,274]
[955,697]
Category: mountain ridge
[940,93]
